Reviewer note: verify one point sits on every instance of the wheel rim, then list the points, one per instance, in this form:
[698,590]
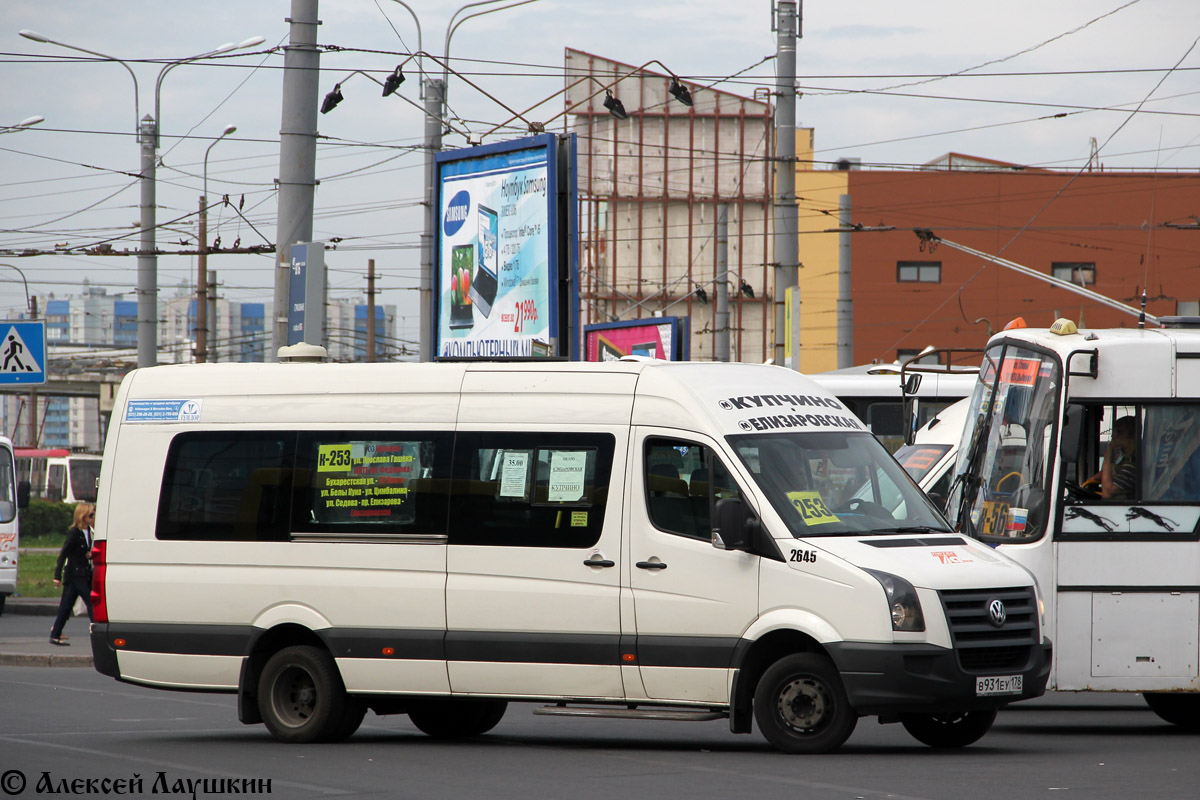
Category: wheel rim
[804,704]
[294,697]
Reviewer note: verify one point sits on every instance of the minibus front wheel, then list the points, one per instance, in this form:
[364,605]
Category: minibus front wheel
[801,706]
[302,698]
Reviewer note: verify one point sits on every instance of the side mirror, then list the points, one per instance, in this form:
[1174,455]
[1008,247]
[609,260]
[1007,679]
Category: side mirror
[1072,433]
[22,494]
[912,416]
[734,527]
[912,383]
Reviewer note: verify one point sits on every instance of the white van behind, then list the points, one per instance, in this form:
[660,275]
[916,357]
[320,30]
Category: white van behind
[636,539]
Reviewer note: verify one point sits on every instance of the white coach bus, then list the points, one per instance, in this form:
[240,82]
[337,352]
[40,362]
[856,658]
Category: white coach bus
[630,539]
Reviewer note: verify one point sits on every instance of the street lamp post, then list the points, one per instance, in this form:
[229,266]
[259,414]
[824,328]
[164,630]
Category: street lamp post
[147,132]
[31,306]
[201,353]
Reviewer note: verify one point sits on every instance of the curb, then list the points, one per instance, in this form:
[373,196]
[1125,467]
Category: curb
[20,660]
[38,606]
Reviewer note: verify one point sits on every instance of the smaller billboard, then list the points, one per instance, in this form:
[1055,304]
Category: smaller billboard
[306,294]
[660,337]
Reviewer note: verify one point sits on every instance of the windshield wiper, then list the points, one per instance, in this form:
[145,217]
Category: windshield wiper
[913,529]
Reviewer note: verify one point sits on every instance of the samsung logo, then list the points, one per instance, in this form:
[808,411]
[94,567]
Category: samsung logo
[456,213]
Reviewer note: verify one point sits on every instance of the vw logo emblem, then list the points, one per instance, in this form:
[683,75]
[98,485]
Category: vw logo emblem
[997,613]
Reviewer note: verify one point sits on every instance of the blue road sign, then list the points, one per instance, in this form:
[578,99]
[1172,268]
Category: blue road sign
[23,352]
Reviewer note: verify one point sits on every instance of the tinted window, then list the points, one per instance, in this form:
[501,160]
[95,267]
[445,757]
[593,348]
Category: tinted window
[530,489]
[227,486]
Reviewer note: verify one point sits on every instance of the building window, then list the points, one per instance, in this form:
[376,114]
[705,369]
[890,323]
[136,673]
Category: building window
[919,271]
[1187,308]
[1080,273]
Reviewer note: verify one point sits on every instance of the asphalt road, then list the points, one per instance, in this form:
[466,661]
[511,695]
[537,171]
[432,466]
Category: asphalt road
[73,725]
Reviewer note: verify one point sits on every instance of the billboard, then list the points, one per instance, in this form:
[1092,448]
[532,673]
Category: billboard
[660,337]
[504,280]
[306,292]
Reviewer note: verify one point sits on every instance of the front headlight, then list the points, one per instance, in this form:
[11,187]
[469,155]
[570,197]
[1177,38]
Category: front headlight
[902,601]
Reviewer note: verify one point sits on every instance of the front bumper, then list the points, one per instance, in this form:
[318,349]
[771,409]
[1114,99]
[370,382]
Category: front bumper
[896,678]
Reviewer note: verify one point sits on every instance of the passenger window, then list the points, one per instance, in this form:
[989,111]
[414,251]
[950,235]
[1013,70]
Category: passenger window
[683,482]
[351,483]
[1171,454]
[530,489]
[227,486]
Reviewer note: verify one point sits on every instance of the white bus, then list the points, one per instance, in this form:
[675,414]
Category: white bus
[13,495]
[874,393]
[1080,458]
[59,475]
[640,539]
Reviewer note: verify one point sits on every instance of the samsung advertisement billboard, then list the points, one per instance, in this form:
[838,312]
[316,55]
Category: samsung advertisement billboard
[504,276]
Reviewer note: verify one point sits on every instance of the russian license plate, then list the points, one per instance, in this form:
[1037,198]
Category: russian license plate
[999,684]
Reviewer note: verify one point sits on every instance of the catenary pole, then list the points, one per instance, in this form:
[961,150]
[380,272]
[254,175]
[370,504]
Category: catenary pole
[845,305]
[786,222]
[297,153]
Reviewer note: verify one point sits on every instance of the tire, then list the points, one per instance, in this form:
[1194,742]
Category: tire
[451,718]
[1178,709]
[801,707]
[957,729]
[302,699]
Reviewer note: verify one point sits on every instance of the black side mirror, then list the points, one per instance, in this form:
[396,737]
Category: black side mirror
[22,494]
[1072,433]
[912,417]
[731,525]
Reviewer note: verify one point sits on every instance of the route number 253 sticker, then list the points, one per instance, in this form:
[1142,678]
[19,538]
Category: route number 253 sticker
[812,508]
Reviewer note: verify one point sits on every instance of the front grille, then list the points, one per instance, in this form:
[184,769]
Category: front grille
[983,647]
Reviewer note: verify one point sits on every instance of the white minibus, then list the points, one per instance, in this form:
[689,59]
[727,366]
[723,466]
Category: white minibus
[13,495]
[1080,458]
[640,539]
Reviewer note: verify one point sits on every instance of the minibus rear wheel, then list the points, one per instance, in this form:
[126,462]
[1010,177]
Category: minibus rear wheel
[949,730]
[302,699]
[454,718]
[801,706]
[1178,709]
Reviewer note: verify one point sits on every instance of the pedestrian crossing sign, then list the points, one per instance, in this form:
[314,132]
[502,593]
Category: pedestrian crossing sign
[23,353]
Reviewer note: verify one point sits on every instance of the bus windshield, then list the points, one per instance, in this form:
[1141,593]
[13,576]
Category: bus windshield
[1003,468]
[835,484]
[85,477]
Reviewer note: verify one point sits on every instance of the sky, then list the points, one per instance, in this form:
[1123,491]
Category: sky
[893,84]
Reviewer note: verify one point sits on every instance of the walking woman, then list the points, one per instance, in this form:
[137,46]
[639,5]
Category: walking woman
[76,576]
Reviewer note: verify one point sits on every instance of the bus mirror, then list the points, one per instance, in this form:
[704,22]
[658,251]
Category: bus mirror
[912,416]
[912,383]
[1072,431]
[732,525]
[22,494]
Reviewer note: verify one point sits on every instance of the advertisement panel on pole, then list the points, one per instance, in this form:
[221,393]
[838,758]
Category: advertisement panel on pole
[306,294]
[499,251]
[660,337]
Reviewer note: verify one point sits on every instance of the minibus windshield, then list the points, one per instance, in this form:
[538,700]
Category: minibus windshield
[836,484]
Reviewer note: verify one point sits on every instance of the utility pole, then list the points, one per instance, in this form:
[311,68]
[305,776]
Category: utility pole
[200,354]
[211,292]
[33,392]
[297,154]
[370,310]
[845,303]
[434,94]
[721,318]
[147,275]
[787,258]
